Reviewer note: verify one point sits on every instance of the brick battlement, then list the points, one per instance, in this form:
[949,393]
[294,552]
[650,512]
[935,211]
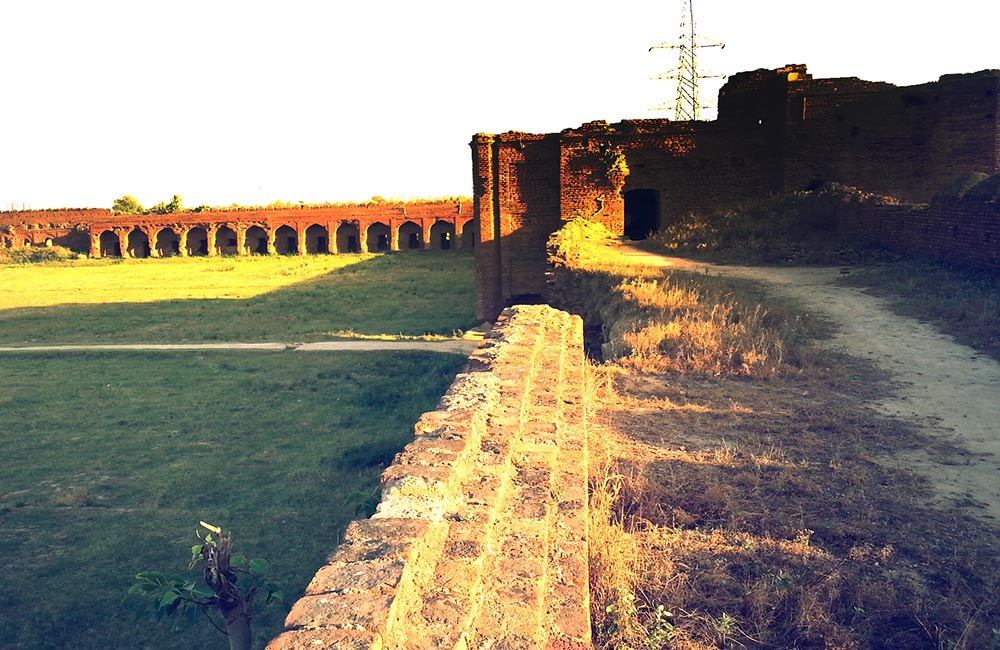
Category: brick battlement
[481,537]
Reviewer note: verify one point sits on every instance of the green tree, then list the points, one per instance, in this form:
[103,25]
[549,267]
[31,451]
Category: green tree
[127,204]
[168,208]
[230,591]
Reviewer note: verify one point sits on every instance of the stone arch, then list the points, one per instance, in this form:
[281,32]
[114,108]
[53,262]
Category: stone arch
[196,242]
[256,241]
[137,244]
[642,213]
[442,236]
[167,243]
[378,238]
[226,241]
[411,236]
[348,238]
[469,234]
[286,241]
[109,244]
[317,240]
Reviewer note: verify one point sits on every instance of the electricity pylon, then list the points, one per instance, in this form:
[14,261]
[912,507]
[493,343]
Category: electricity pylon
[687,105]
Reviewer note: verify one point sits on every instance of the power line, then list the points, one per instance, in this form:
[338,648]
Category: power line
[687,104]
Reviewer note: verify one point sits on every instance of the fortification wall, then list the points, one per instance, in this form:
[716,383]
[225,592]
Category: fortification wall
[778,131]
[374,227]
[965,231]
[480,540]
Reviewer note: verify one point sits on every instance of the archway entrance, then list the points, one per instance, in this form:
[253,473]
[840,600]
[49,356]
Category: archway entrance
[410,237]
[110,244]
[378,238]
[442,236]
[137,244]
[167,243]
[256,241]
[225,241]
[197,242]
[317,240]
[348,238]
[286,241]
[642,213]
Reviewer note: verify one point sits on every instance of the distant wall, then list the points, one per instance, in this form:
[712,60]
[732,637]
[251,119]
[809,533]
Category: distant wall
[374,227]
[481,537]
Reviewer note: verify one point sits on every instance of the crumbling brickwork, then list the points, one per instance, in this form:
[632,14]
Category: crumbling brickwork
[480,540]
[778,131]
[372,227]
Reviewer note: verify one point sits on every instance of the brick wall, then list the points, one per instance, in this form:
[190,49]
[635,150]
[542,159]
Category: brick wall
[778,131]
[480,540]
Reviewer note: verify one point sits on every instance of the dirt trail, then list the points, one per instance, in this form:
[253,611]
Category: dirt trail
[949,390]
[455,346]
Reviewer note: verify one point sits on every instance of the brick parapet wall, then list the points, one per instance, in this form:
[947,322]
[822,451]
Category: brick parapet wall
[480,539]
[965,231]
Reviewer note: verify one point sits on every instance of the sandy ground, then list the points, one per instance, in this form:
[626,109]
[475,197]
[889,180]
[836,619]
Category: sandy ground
[949,390]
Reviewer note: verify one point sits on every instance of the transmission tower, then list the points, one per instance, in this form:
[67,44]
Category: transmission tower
[687,105]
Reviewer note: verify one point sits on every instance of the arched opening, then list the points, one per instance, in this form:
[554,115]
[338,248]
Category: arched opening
[410,237]
[642,213]
[256,241]
[167,243]
[469,235]
[286,241]
[110,245]
[225,241]
[317,240]
[442,236]
[378,239]
[137,244]
[348,238]
[197,242]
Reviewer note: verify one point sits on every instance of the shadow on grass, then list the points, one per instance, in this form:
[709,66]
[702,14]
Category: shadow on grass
[411,294]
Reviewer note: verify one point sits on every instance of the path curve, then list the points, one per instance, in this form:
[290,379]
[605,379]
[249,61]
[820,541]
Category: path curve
[950,391]
[453,346]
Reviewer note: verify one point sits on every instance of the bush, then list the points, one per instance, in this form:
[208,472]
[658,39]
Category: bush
[36,254]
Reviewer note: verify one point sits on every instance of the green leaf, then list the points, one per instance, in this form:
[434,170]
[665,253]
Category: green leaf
[238,561]
[169,598]
[151,576]
[259,566]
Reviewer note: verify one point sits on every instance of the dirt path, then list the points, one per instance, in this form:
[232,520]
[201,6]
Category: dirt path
[455,346]
[949,390]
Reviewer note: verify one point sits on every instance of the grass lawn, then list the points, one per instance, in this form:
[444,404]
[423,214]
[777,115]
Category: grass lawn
[110,461]
[244,299]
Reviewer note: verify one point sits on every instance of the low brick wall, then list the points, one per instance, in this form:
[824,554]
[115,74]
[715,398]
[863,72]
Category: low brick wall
[480,540]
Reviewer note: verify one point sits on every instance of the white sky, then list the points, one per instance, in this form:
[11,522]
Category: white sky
[250,102]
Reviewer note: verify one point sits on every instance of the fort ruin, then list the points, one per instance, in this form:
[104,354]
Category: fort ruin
[778,131]
[362,228]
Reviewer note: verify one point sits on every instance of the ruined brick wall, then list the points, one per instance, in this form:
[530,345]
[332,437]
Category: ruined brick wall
[516,185]
[397,222]
[778,131]
[481,536]
[905,142]
[967,231]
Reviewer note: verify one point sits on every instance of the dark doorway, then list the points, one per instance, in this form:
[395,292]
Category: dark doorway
[642,213]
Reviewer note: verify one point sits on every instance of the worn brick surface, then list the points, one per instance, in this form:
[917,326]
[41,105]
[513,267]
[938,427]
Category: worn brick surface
[480,538]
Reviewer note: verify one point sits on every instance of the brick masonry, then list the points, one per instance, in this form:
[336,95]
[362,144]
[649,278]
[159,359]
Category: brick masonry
[778,131]
[480,539]
[370,227]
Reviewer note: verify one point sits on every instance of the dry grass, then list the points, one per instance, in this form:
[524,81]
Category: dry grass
[745,505]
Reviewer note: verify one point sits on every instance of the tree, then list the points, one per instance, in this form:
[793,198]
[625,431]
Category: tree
[168,208]
[232,588]
[127,204]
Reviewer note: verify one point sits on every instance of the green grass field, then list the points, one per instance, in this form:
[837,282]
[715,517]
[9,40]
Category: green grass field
[111,459]
[245,299]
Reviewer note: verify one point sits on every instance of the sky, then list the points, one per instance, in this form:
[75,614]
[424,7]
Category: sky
[251,102]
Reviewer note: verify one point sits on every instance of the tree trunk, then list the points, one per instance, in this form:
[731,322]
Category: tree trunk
[237,628]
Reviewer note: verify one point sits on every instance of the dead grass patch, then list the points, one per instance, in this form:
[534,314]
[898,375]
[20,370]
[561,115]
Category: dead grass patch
[742,508]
